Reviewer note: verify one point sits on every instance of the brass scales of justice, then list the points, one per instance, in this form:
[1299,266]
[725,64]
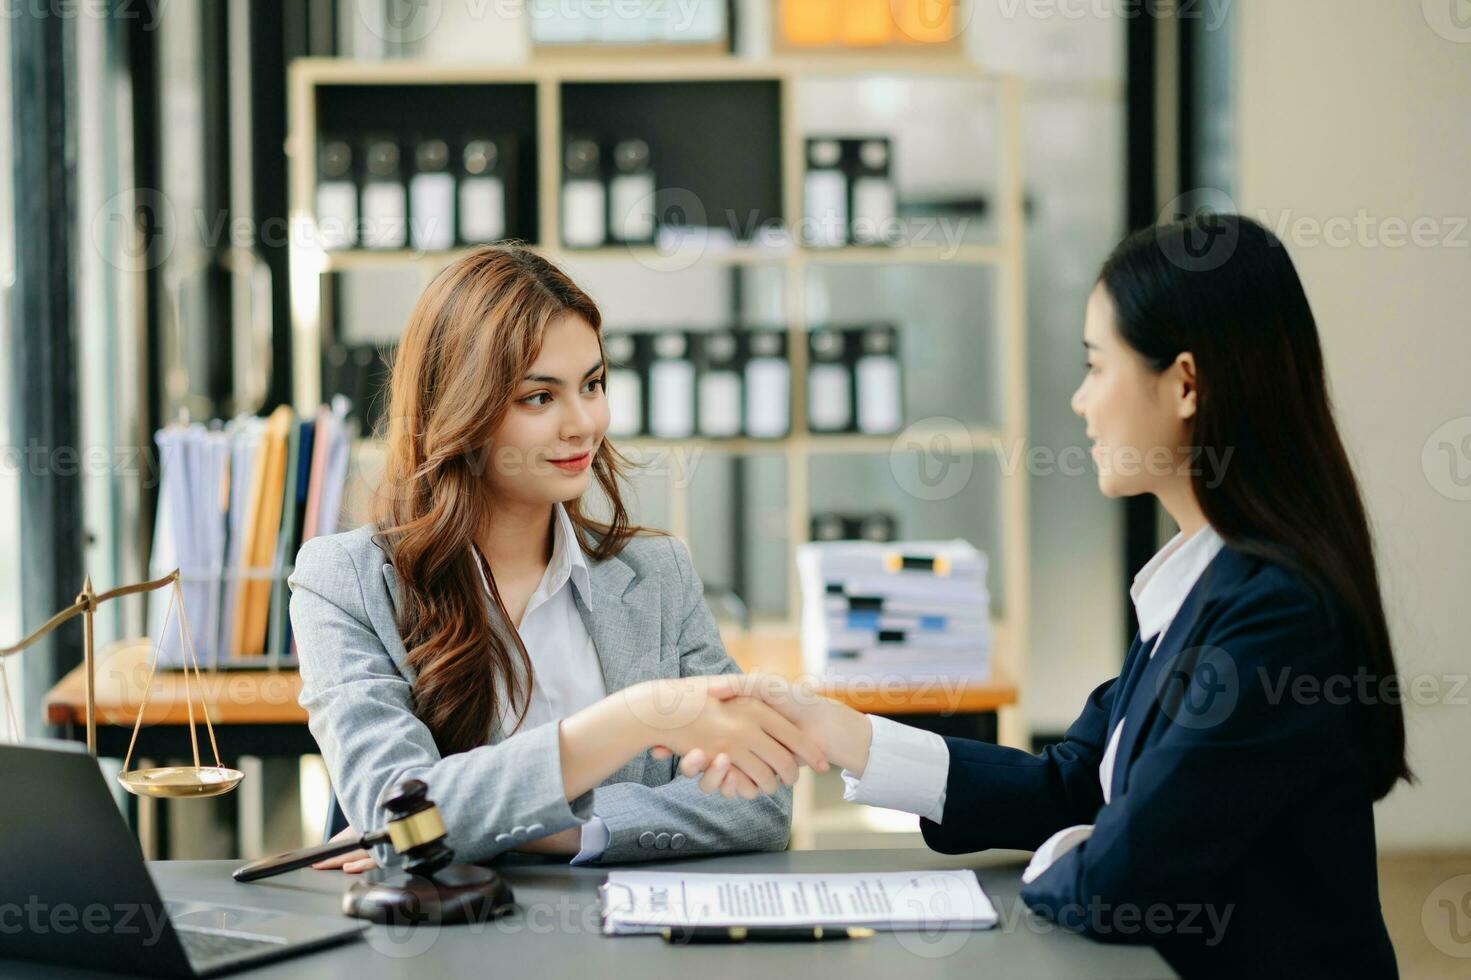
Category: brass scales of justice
[168,782]
[429,886]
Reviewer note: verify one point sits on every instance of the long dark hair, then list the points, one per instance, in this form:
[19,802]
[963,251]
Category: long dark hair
[1224,288]
[474,333]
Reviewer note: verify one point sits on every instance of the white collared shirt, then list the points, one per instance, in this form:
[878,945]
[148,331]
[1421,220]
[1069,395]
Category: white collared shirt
[907,768]
[1159,590]
[566,672]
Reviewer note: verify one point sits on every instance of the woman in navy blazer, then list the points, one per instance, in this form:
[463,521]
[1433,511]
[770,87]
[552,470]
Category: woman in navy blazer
[1216,799]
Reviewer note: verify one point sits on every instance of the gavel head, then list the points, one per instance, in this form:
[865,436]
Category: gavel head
[416,829]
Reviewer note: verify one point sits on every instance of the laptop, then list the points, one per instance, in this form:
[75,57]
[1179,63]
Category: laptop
[76,886]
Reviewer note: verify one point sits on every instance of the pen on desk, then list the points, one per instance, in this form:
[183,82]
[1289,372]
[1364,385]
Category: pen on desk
[685,935]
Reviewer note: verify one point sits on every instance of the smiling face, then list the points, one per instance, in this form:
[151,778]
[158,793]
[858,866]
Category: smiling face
[542,452]
[1139,420]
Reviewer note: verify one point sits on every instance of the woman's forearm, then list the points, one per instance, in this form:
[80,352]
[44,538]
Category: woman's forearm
[596,741]
[845,735]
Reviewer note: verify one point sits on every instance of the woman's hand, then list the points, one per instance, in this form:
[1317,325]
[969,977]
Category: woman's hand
[843,734]
[682,714]
[353,862]
[752,747]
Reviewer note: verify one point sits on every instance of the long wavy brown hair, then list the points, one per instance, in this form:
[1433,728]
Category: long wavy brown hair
[474,333]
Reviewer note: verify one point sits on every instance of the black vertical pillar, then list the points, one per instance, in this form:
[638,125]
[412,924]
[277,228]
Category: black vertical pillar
[1141,204]
[1188,159]
[276,32]
[44,412]
[215,120]
[140,40]
[740,579]
[280,30]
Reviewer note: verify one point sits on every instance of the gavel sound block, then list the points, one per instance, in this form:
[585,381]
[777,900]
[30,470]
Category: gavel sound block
[428,888]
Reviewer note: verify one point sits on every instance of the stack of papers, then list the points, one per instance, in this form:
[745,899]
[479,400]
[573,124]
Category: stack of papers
[904,610]
[235,503]
[641,902]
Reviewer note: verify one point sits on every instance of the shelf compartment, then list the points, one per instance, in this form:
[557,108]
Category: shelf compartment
[715,147]
[449,111]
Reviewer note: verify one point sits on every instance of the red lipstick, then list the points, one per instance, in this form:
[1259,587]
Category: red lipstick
[573,464]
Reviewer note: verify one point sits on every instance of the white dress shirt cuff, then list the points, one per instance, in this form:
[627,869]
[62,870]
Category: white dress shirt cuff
[595,840]
[907,770]
[1053,848]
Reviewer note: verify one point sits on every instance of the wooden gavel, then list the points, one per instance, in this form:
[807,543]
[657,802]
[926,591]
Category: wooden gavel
[415,831]
[428,888]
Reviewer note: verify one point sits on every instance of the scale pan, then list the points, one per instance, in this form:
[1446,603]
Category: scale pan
[178,782]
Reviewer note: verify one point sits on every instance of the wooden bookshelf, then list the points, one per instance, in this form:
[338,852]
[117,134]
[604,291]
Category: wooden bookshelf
[1005,258]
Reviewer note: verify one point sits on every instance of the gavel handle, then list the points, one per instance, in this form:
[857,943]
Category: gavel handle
[292,860]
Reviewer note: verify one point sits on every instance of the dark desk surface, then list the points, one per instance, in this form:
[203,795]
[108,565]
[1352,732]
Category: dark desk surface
[555,932]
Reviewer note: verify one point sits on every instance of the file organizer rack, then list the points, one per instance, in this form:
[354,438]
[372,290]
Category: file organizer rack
[220,654]
[549,77]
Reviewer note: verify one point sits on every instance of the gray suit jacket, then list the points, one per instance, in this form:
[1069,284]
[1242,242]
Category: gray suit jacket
[649,621]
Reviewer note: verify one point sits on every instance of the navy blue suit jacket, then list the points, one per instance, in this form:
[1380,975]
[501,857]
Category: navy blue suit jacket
[1239,839]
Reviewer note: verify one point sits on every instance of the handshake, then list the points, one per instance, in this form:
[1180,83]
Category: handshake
[746,734]
[739,734]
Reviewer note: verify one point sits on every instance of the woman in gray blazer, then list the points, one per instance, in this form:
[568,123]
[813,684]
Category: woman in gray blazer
[542,670]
